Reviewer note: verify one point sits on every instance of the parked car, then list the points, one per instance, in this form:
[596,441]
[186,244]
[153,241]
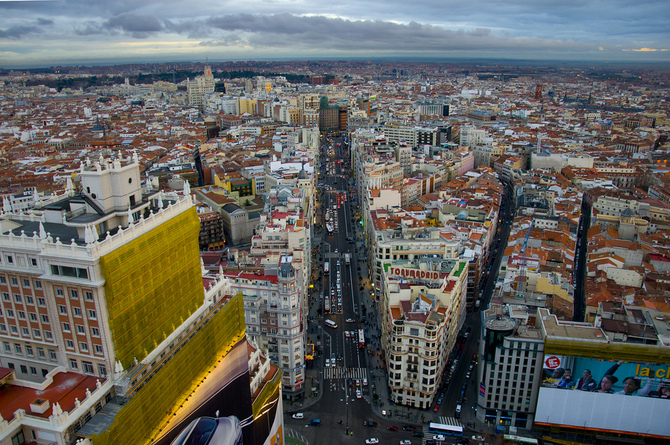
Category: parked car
[315,422]
[417,434]
[370,423]
[439,438]
[392,428]
[409,428]
[298,416]
[406,442]
[371,441]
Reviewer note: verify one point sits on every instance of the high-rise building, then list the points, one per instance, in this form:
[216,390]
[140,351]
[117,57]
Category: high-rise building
[199,87]
[104,305]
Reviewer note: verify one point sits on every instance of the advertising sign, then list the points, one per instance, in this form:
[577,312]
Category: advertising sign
[219,410]
[605,395]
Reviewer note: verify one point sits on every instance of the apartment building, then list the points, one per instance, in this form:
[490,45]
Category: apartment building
[422,309]
[273,309]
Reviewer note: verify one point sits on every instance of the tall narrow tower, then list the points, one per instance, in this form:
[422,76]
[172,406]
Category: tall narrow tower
[538,91]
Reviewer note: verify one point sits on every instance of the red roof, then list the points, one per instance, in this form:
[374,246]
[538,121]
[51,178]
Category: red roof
[65,388]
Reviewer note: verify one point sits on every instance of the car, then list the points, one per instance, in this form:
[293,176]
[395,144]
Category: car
[371,441]
[405,442]
[349,320]
[365,382]
[370,423]
[315,422]
[392,428]
[430,442]
[468,374]
[417,434]
[359,394]
[327,363]
[478,438]
[439,438]
[358,382]
[436,408]
[409,428]
[350,382]
[298,416]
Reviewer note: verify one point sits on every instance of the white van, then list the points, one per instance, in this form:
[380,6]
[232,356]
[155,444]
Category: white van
[331,324]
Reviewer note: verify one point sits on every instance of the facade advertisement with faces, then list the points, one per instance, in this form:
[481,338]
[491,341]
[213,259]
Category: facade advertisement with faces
[605,395]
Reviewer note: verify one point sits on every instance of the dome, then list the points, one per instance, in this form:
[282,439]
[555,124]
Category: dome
[286,271]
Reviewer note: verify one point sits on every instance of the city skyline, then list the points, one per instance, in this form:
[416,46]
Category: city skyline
[68,32]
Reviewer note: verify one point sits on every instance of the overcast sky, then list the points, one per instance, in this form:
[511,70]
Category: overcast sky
[45,33]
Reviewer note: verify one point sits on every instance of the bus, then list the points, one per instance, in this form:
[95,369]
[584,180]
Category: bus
[326,267]
[444,429]
[331,324]
[326,304]
[361,338]
[511,439]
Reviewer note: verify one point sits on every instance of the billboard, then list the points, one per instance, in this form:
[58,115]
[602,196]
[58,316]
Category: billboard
[603,395]
[219,411]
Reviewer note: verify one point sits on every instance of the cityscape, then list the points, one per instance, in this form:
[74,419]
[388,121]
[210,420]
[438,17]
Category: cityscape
[335,251]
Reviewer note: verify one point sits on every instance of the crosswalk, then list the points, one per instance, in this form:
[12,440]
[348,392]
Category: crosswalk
[345,373]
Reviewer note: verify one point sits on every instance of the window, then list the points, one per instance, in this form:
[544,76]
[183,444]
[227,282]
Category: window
[38,284]
[3,280]
[52,354]
[33,262]
[102,370]
[76,311]
[98,349]
[26,282]
[69,344]
[74,294]
[3,327]
[67,271]
[88,367]
[14,330]
[41,302]
[29,299]
[81,330]
[17,298]
[83,346]
[8,347]
[24,369]
[29,350]
[88,295]
[66,327]
[62,309]
[17,349]
[45,318]
[59,292]
[33,370]
[33,316]
[25,332]
[73,364]
[14,281]
[95,332]
[47,335]
[5,296]
[91,314]
[40,352]
[21,314]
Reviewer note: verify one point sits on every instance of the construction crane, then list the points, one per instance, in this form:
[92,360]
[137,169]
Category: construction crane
[522,268]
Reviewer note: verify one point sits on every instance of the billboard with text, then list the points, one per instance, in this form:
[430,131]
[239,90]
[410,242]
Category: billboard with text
[605,395]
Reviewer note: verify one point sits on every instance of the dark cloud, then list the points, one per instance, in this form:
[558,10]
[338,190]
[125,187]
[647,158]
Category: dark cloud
[286,30]
[139,26]
[18,31]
